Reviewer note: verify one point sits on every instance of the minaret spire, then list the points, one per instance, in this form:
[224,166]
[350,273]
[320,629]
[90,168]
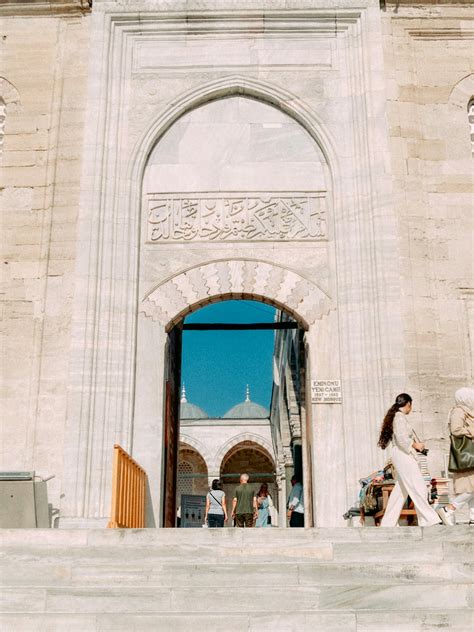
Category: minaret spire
[183,394]
[247,394]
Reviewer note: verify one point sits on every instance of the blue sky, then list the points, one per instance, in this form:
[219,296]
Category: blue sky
[217,365]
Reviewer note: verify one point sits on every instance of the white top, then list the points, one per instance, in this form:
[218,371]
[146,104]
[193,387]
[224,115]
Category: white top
[296,501]
[402,434]
[215,497]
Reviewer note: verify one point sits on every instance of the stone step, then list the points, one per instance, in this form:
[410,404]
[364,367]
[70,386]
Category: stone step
[302,621]
[277,598]
[21,572]
[272,579]
[202,550]
[136,538]
[189,539]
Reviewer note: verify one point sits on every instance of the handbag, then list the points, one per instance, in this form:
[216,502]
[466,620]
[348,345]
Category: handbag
[461,454]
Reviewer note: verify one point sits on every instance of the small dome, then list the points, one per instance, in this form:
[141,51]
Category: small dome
[247,410]
[191,411]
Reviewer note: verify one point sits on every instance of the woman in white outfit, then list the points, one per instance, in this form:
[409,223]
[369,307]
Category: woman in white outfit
[461,424]
[397,430]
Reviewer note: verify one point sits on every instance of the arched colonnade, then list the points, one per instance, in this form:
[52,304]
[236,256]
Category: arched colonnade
[246,452]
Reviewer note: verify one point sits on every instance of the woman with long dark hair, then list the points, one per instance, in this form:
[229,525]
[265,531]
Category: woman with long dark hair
[397,431]
[216,508]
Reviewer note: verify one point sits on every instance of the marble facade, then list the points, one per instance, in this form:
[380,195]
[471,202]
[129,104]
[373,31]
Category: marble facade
[159,155]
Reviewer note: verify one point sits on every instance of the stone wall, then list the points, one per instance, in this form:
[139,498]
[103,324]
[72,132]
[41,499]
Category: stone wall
[383,94]
[430,82]
[44,63]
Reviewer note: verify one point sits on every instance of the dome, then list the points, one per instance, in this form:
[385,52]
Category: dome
[190,411]
[247,410]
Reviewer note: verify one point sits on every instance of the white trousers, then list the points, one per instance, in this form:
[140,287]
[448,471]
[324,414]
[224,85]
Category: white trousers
[409,483]
[462,499]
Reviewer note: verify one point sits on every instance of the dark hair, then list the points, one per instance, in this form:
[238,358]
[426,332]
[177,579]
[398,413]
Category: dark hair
[386,432]
[263,491]
[296,478]
[216,484]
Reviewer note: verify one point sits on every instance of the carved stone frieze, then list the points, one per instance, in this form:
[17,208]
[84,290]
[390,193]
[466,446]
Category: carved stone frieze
[203,217]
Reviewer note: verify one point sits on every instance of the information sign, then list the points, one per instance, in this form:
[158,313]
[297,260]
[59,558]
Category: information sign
[326,392]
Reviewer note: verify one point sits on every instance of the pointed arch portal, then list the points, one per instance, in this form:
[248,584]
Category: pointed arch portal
[340,283]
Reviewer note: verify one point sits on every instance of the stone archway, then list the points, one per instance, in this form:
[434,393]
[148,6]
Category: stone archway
[241,439]
[250,457]
[192,471]
[259,444]
[199,447]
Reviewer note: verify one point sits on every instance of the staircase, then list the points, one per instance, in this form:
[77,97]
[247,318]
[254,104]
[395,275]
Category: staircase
[346,580]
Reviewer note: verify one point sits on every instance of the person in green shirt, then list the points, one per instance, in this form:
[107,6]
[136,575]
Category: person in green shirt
[244,504]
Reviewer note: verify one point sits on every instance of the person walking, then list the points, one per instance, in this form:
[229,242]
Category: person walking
[264,507]
[244,504]
[216,509]
[296,503]
[461,424]
[396,430]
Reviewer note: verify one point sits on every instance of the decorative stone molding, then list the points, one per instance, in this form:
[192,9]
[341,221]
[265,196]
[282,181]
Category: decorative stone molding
[251,279]
[230,217]
[442,34]
[45,7]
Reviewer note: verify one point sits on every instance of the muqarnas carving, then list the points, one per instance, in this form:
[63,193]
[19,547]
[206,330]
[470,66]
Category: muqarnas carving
[181,217]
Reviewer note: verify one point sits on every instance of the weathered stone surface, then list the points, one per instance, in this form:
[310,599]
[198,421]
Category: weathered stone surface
[367,108]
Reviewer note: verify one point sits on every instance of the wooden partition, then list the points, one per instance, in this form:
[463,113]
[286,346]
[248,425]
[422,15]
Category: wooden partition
[128,492]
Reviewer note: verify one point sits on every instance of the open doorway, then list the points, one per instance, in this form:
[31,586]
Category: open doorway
[235,402]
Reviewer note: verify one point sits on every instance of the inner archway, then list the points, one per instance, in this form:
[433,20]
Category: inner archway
[250,458]
[262,438]
[192,472]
